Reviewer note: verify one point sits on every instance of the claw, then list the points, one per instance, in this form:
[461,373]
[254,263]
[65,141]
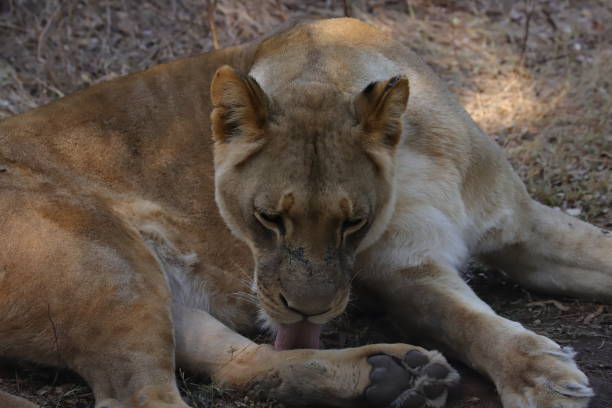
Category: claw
[572,390]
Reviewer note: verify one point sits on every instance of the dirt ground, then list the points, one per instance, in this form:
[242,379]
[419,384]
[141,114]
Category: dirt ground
[535,75]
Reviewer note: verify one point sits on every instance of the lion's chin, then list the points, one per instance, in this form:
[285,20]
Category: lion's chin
[302,334]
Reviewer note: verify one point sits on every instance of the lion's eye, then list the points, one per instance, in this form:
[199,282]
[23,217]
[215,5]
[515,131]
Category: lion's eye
[271,221]
[352,225]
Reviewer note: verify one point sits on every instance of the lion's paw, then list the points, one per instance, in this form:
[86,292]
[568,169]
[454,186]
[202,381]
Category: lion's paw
[550,379]
[419,380]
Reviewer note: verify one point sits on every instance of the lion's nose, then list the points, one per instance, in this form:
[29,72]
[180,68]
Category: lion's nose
[311,306]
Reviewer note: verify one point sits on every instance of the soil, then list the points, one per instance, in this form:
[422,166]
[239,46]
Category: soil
[585,326]
[535,75]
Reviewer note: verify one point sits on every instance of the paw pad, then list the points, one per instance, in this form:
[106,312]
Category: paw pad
[419,380]
[433,391]
[415,359]
[437,371]
[414,401]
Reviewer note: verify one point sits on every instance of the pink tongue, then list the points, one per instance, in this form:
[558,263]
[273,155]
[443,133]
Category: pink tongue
[297,335]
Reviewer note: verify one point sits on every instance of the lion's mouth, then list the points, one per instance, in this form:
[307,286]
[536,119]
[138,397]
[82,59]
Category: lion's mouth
[302,334]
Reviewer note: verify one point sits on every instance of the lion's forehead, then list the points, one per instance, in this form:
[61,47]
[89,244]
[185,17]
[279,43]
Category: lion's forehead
[311,96]
[325,158]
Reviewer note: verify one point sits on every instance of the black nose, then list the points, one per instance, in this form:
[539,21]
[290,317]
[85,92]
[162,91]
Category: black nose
[307,308]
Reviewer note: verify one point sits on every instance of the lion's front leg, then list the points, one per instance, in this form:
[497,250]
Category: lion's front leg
[529,371]
[380,375]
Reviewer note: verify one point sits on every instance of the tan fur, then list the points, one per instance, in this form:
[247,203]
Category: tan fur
[115,260]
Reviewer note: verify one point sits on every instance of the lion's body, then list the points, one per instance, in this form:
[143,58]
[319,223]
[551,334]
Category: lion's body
[109,217]
[145,169]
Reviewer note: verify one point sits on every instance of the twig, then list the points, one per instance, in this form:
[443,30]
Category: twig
[43,33]
[17,382]
[529,7]
[173,8]
[130,27]
[280,11]
[549,19]
[24,93]
[348,8]
[548,59]
[13,27]
[555,303]
[212,5]
[409,9]
[109,21]
[60,359]
[54,329]
[50,87]
[591,316]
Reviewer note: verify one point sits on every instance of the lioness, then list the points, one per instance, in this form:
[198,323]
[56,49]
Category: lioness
[132,217]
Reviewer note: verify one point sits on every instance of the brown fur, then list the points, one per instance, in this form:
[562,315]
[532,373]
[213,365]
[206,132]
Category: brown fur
[115,260]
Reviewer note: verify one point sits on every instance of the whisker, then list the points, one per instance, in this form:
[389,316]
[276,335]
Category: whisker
[246,296]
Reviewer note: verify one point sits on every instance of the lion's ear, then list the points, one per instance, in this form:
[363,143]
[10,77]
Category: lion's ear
[380,107]
[240,106]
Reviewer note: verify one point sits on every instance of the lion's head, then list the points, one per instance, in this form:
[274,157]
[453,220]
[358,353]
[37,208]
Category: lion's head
[306,179]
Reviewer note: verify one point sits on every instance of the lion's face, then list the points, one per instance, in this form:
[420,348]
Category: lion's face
[306,185]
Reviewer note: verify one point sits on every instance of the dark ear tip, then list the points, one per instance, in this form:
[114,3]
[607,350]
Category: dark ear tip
[242,76]
[394,81]
[369,88]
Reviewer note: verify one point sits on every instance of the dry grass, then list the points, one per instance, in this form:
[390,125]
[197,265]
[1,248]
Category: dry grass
[544,96]
[549,106]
